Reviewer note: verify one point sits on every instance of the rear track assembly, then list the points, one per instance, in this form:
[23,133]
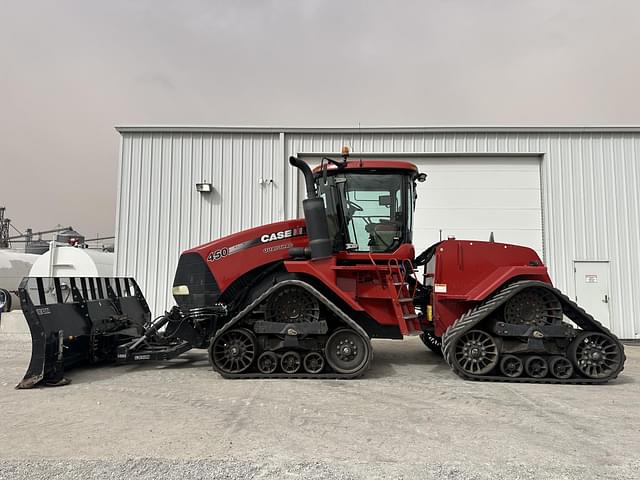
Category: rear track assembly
[551,351]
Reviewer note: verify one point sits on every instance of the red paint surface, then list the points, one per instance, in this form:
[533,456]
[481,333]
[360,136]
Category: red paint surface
[371,165]
[471,271]
[230,268]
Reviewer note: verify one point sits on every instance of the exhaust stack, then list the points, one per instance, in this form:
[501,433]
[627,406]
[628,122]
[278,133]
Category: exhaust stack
[315,216]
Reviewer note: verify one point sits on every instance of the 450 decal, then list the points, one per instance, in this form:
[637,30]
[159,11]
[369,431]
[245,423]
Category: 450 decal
[226,251]
[218,254]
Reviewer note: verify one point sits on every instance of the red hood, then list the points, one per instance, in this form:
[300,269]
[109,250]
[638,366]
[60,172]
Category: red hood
[230,257]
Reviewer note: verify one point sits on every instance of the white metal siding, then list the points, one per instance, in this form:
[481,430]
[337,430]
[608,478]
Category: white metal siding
[160,214]
[590,183]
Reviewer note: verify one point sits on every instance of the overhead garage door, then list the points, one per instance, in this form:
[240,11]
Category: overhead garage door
[470,197]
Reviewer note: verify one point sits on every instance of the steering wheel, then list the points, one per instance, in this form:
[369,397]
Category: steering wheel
[352,208]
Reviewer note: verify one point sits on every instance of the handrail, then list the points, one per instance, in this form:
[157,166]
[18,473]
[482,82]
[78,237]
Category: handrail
[410,268]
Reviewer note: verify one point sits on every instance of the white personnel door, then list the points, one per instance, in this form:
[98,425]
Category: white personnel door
[592,289]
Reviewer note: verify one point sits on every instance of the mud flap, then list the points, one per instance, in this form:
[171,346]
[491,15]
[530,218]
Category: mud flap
[78,321]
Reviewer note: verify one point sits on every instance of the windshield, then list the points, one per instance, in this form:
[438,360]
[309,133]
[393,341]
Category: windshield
[375,210]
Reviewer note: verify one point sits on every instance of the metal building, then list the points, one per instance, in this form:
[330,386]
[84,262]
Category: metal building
[572,193]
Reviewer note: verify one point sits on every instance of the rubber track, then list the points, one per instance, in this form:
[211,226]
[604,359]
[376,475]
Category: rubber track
[474,316]
[301,375]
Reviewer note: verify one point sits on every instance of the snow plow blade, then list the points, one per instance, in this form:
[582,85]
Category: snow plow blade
[78,321]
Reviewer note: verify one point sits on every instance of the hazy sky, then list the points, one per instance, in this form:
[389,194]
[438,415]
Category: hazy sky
[72,70]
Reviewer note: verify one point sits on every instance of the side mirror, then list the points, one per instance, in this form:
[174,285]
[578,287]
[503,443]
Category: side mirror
[421,177]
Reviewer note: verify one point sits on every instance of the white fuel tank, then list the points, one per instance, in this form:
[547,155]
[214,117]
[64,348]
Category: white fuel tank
[13,267]
[67,261]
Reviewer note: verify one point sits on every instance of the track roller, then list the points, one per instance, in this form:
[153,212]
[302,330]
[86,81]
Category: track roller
[561,367]
[290,362]
[536,367]
[511,366]
[267,362]
[313,362]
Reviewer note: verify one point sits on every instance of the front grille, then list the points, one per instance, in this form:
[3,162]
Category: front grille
[193,272]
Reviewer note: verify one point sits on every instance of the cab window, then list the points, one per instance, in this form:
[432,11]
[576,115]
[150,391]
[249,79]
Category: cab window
[375,211]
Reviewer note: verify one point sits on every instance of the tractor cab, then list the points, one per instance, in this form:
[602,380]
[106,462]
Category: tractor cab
[359,218]
[369,203]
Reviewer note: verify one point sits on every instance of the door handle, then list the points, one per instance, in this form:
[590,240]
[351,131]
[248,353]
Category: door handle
[605,299]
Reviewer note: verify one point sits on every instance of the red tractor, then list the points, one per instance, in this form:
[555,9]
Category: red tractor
[304,298]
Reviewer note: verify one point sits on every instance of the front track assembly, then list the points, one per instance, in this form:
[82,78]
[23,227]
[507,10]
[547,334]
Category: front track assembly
[291,331]
[518,335]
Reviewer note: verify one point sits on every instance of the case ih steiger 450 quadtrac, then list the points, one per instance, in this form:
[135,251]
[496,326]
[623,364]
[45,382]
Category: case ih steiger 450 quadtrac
[304,298]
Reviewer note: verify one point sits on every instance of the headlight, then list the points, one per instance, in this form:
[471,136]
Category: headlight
[181,290]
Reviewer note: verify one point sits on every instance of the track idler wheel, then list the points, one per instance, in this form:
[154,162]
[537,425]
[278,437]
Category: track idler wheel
[290,362]
[595,355]
[476,352]
[234,351]
[561,367]
[511,366]
[346,351]
[313,362]
[267,362]
[536,367]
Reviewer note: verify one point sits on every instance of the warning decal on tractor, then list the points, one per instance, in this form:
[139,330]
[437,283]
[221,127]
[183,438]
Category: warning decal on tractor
[440,288]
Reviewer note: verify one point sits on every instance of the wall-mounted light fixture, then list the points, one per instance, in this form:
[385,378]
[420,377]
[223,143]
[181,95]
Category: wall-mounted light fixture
[204,187]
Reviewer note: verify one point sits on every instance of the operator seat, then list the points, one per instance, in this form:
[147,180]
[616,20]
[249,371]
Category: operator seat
[382,235]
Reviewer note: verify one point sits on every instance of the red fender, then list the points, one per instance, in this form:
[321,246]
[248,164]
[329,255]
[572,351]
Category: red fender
[503,275]
[323,271]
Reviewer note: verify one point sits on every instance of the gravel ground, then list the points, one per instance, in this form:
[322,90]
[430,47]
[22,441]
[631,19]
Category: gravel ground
[409,417]
[170,469]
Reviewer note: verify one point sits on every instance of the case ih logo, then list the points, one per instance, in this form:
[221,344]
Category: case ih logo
[281,235]
[266,238]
